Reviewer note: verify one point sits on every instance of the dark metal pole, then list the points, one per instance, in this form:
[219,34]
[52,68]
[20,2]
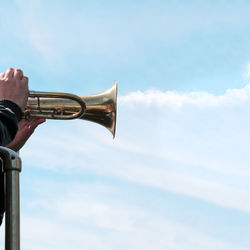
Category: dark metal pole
[12,167]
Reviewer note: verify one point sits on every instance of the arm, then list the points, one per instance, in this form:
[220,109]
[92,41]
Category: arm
[13,99]
[10,114]
[25,130]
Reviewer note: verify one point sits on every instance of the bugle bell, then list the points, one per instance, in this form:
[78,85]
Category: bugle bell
[99,108]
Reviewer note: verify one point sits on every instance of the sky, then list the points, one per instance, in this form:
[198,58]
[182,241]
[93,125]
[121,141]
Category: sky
[177,175]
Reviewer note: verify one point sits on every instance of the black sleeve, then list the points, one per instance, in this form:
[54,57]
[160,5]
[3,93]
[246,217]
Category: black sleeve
[10,115]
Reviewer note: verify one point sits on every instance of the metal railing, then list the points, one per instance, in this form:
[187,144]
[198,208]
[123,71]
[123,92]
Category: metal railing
[11,163]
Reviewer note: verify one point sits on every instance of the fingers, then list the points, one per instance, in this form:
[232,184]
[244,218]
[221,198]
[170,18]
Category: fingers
[40,121]
[18,74]
[30,125]
[9,73]
[34,123]
[14,87]
[25,80]
[25,130]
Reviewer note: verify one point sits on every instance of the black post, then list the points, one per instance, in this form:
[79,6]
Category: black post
[12,167]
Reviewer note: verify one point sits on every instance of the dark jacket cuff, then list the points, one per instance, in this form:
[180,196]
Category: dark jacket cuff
[14,108]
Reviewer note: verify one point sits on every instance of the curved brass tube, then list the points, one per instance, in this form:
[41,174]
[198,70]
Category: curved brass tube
[100,108]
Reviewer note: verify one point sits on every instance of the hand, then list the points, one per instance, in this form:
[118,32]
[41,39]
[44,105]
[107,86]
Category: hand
[25,130]
[14,87]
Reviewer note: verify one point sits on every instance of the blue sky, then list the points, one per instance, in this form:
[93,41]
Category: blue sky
[177,176]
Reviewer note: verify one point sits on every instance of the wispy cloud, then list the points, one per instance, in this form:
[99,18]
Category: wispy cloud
[247,73]
[180,160]
[90,216]
[176,100]
[55,32]
[191,147]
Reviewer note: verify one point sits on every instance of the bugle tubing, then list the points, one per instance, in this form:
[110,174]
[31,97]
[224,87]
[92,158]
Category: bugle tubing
[99,108]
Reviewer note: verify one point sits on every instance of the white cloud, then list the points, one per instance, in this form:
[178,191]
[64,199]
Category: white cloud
[194,147]
[174,99]
[248,71]
[112,32]
[192,144]
[69,219]
[150,233]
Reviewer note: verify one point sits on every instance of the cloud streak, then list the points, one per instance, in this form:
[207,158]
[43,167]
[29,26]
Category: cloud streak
[191,148]
[175,99]
[97,217]
[112,32]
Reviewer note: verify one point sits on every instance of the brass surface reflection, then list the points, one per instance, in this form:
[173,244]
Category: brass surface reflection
[99,108]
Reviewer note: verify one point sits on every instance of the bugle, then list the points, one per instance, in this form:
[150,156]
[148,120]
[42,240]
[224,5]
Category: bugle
[99,108]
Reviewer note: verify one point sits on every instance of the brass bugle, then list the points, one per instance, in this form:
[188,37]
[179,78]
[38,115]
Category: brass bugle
[98,108]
